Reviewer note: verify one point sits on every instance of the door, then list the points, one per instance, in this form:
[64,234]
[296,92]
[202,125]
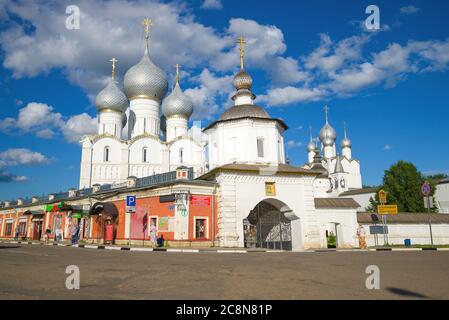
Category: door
[37,230]
[200,229]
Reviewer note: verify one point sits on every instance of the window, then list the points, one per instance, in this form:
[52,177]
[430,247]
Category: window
[200,228]
[260,147]
[106,154]
[181,155]
[8,231]
[22,228]
[145,155]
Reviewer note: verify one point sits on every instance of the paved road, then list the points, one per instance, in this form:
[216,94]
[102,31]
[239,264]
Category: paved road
[38,272]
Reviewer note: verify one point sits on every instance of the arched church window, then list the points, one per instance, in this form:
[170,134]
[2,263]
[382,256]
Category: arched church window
[106,154]
[260,151]
[145,155]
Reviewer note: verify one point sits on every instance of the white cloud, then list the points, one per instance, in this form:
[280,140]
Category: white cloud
[21,156]
[78,126]
[17,157]
[40,119]
[387,147]
[212,4]
[289,95]
[211,91]
[294,144]
[409,9]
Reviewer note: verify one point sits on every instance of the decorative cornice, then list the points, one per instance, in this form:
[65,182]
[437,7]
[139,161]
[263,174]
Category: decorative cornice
[144,97]
[97,137]
[143,136]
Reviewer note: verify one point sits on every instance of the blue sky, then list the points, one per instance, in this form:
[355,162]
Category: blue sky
[390,86]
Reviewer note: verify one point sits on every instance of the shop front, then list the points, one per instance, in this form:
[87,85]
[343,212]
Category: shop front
[37,223]
[104,222]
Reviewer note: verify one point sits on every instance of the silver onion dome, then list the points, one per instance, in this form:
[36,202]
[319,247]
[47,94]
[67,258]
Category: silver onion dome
[243,80]
[346,143]
[327,135]
[177,104]
[111,97]
[311,146]
[146,80]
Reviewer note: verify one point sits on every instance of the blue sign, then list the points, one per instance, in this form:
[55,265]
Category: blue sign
[130,201]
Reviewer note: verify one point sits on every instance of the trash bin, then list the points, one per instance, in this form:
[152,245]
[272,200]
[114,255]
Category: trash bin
[407,242]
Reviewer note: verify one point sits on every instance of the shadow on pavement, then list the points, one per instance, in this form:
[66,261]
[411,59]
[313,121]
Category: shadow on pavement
[407,293]
[10,247]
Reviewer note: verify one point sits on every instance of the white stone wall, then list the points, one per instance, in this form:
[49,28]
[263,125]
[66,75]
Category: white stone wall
[343,223]
[417,233]
[236,141]
[126,158]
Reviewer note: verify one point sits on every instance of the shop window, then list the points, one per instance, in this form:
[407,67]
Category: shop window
[200,228]
[8,231]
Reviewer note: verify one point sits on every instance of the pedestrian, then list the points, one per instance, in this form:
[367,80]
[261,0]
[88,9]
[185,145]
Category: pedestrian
[16,234]
[47,234]
[361,236]
[160,241]
[75,231]
[153,233]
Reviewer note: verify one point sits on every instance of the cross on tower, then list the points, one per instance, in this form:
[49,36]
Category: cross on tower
[114,61]
[177,73]
[241,41]
[326,110]
[147,23]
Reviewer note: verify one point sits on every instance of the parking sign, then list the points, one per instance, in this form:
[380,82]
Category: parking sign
[130,204]
[130,201]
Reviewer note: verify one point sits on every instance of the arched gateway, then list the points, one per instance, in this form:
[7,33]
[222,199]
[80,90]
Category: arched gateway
[269,226]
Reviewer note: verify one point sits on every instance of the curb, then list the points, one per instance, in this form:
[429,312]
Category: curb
[225,251]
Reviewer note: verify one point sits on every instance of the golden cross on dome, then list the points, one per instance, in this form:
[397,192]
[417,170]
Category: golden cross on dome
[241,41]
[344,125]
[177,73]
[147,23]
[114,61]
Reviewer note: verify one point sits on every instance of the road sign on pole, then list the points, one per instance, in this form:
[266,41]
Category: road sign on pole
[426,190]
[130,204]
[387,209]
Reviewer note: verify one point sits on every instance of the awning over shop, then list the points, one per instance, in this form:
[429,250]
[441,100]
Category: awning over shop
[106,208]
[73,210]
[34,213]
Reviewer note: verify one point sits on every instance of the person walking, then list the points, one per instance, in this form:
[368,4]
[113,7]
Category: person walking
[16,234]
[75,230]
[153,233]
[361,236]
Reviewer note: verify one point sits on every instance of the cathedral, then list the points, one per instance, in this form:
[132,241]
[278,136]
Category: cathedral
[158,138]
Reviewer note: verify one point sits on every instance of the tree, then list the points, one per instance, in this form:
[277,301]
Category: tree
[402,182]
[435,178]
